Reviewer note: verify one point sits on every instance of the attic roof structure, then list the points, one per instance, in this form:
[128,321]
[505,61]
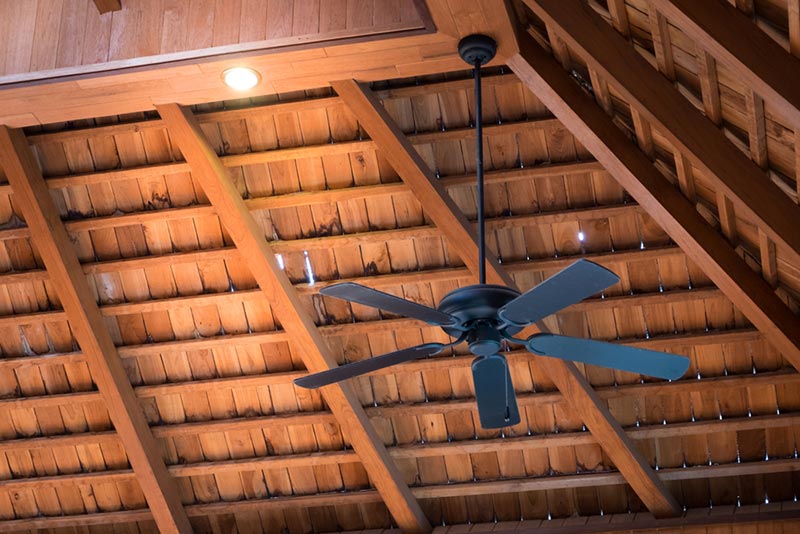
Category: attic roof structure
[164,240]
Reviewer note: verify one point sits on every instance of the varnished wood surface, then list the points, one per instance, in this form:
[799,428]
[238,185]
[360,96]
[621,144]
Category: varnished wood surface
[212,368]
[47,39]
[278,291]
[84,317]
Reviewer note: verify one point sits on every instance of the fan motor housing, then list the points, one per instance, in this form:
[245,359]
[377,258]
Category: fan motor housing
[480,302]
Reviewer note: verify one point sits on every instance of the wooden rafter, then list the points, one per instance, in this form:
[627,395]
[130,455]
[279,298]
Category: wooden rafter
[756,60]
[628,522]
[745,335]
[660,104]
[668,207]
[460,235]
[60,259]
[277,289]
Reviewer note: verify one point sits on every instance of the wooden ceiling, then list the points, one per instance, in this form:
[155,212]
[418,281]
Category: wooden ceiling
[164,241]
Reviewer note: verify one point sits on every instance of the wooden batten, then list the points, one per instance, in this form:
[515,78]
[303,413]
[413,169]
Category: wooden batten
[162,277]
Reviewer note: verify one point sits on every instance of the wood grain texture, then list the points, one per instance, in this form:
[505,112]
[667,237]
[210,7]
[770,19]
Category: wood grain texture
[730,171]
[733,39]
[663,202]
[279,292]
[61,262]
[105,6]
[447,217]
[96,35]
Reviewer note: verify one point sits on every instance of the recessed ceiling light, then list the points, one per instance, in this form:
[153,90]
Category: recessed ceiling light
[241,78]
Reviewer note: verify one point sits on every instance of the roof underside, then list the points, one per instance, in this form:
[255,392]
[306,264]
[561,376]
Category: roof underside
[213,369]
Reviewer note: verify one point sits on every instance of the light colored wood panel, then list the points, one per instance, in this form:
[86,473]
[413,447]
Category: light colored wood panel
[59,256]
[144,31]
[283,299]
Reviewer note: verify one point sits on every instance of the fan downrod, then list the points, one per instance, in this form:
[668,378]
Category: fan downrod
[477,49]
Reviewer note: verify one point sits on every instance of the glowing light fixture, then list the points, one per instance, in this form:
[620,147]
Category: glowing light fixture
[241,78]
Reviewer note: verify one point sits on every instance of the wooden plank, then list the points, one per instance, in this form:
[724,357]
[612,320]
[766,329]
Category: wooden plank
[657,430]
[59,257]
[619,17]
[757,129]
[757,60]
[434,363]
[446,215]
[422,451]
[624,523]
[249,239]
[729,170]
[106,6]
[709,85]
[661,200]
[794,27]
[662,43]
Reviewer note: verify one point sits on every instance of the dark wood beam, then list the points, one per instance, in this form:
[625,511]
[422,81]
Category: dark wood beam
[453,224]
[755,59]
[668,207]
[60,258]
[249,239]
[728,169]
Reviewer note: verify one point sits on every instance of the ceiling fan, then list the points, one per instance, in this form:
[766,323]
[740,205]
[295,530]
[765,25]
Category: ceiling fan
[485,315]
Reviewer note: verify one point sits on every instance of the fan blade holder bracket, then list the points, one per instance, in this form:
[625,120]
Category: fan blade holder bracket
[474,304]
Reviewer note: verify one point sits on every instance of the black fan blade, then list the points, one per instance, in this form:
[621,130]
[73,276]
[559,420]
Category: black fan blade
[494,392]
[377,299]
[580,280]
[632,359]
[350,370]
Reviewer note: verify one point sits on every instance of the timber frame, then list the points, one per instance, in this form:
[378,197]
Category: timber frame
[584,102]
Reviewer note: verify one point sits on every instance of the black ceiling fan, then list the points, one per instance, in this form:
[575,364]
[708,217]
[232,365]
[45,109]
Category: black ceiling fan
[484,315]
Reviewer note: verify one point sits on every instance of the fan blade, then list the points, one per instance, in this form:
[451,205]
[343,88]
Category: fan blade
[580,280]
[350,370]
[632,359]
[494,392]
[377,299]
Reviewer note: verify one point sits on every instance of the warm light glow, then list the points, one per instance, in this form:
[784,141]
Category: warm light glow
[241,78]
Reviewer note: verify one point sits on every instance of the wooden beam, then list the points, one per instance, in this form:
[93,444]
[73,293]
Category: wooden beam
[709,85]
[726,167]
[238,297]
[621,523]
[794,27]
[414,172]
[755,59]
[430,364]
[655,430]
[668,207]
[53,244]
[106,6]
[662,43]
[619,16]
[277,289]
[683,169]
[540,441]
[756,129]
[447,217]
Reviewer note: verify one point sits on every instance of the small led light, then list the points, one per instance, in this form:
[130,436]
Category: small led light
[241,78]
[581,236]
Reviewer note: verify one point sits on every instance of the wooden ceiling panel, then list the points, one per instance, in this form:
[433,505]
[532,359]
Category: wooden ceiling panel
[212,368]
